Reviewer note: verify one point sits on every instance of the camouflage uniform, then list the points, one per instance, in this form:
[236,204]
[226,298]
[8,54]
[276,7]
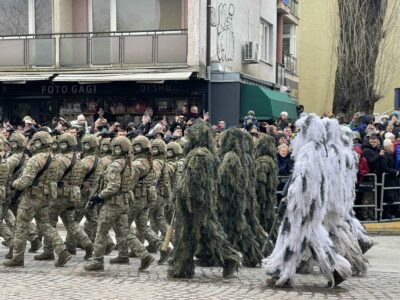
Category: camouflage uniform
[144,191]
[68,192]
[174,168]
[16,163]
[5,232]
[116,195]
[161,181]
[35,201]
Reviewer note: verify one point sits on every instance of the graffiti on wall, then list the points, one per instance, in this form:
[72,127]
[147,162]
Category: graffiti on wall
[222,20]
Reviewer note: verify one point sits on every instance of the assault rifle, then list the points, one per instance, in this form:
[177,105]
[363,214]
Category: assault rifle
[13,201]
[94,198]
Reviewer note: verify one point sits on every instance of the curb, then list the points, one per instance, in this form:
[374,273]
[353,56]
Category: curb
[383,227]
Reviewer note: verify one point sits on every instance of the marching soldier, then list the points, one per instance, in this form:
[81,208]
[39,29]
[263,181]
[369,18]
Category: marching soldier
[37,185]
[69,183]
[175,163]
[144,193]
[115,195]
[16,163]
[161,180]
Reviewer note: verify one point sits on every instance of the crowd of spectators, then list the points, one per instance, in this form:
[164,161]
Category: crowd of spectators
[376,142]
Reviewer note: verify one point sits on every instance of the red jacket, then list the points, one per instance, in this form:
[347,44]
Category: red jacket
[363,168]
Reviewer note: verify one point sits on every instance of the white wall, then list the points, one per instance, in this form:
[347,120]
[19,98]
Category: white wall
[234,22]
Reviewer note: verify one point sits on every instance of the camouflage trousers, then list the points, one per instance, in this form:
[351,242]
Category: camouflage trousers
[114,214]
[139,214]
[90,225]
[5,231]
[65,208]
[29,208]
[157,217]
[9,225]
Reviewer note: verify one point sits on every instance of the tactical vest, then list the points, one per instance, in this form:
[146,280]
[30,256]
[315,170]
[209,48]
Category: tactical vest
[163,184]
[89,181]
[3,179]
[70,182]
[46,184]
[125,193]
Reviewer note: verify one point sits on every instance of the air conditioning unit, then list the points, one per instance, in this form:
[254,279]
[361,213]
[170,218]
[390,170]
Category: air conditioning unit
[251,53]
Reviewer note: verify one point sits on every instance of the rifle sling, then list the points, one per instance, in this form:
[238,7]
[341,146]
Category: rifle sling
[46,165]
[20,164]
[93,169]
[71,165]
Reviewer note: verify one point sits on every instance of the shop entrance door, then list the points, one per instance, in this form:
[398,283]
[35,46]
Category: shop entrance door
[41,110]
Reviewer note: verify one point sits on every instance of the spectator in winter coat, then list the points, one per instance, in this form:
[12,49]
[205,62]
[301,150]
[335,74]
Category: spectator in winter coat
[285,162]
[363,168]
[391,180]
[372,150]
[282,121]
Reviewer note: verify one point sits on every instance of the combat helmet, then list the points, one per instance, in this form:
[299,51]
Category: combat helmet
[105,146]
[121,146]
[158,147]
[41,140]
[174,149]
[55,146]
[17,141]
[89,143]
[141,144]
[67,142]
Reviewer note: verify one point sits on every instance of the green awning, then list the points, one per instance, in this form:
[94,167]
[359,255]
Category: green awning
[266,103]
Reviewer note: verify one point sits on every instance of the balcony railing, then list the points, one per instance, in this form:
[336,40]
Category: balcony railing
[293,5]
[290,63]
[88,50]
[280,74]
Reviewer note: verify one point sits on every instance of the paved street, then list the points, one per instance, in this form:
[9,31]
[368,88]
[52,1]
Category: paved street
[42,280]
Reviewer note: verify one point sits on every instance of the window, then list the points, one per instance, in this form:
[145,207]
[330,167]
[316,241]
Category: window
[14,17]
[74,17]
[266,41]
[19,17]
[43,16]
[289,39]
[101,15]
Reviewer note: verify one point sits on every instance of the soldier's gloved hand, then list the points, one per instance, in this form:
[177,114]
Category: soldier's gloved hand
[97,200]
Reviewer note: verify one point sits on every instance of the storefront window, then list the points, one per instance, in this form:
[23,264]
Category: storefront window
[43,16]
[101,15]
[14,17]
[137,15]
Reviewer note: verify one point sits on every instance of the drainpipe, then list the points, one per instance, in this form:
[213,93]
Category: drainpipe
[208,54]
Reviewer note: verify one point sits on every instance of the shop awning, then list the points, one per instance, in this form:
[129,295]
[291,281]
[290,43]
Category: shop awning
[23,78]
[111,77]
[266,103]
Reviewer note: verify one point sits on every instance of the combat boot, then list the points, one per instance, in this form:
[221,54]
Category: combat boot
[63,258]
[120,260]
[145,262]
[89,251]
[94,265]
[151,248]
[164,255]
[132,254]
[13,263]
[9,255]
[229,268]
[36,244]
[44,256]
[337,279]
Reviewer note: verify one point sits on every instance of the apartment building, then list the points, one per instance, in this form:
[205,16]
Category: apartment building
[67,57]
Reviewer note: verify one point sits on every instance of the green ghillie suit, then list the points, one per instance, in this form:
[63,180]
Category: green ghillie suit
[196,218]
[249,184]
[267,181]
[231,192]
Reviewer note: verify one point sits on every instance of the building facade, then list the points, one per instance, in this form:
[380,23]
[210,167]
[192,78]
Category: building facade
[66,57]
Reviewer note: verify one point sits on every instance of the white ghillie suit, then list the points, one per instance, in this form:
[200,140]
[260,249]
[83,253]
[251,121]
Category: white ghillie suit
[340,182]
[356,228]
[302,229]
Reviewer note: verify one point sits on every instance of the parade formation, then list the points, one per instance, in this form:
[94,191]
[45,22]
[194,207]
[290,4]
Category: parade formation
[194,202]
